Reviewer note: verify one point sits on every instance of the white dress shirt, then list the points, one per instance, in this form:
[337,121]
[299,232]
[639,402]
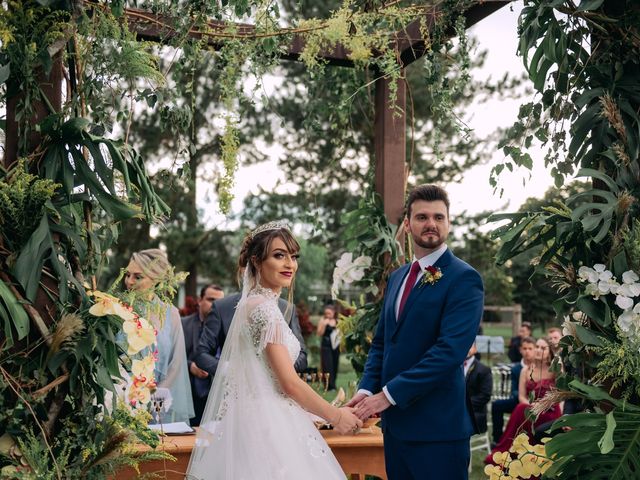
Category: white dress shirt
[467,364]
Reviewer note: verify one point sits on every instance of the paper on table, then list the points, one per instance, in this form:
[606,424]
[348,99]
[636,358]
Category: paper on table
[175,428]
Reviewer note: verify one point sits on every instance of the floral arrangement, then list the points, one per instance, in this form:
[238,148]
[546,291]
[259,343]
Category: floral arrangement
[601,282]
[141,337]
[348,271]
[430,276]
[522,461]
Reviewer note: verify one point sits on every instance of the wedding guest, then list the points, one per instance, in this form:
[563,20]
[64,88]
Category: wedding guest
[506,405]
[535,381]
[554,334]
[479,383]
[514,344]
[192,326]
[328,331]
[218,323]
[146,270]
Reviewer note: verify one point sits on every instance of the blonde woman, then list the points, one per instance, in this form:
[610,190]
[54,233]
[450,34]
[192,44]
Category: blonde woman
[146,269]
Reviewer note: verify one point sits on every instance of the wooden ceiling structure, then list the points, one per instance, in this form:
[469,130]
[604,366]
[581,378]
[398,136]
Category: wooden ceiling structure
[390,125]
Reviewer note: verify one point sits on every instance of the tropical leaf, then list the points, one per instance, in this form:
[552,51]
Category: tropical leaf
[12,314]
[596,446]
[32,258]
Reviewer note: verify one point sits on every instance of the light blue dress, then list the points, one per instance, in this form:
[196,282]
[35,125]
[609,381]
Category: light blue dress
[171,369]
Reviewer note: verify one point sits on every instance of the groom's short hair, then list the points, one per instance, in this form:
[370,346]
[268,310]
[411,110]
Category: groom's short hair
[428,193]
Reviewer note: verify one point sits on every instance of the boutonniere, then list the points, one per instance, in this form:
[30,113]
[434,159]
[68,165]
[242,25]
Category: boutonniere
[431,275]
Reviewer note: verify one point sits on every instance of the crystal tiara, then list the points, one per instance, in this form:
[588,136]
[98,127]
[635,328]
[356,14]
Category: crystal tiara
[275,225]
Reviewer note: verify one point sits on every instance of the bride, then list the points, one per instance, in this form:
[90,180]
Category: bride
[256,423]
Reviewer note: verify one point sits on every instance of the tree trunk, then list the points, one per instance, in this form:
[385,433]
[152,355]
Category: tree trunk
[51,86]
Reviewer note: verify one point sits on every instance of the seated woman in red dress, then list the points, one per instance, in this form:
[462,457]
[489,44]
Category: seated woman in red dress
[535,380]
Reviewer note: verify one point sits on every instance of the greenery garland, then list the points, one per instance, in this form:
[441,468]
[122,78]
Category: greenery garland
[583,61]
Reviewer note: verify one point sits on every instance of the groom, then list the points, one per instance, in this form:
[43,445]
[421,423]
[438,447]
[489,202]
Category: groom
[414,374]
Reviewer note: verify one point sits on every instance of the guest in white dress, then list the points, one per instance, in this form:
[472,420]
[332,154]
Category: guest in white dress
[256,424]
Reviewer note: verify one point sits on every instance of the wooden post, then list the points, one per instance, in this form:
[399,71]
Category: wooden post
[517,318]
[390,148]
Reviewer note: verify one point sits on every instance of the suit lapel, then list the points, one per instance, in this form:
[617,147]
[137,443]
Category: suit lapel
[470,373]
[394,290]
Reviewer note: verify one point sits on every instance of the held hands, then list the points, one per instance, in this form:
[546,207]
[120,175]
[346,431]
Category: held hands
[368,406]
[345,422]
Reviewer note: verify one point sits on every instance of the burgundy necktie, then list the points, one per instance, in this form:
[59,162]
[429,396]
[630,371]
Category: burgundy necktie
[411,281]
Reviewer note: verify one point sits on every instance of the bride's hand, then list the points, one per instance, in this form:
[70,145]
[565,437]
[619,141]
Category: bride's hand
[347,423]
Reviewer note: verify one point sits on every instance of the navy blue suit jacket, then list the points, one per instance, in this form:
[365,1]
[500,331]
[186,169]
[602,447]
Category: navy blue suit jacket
[419,356]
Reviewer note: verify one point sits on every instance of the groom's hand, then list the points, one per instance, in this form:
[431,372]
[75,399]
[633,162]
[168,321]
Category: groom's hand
[374,404]
[356,399]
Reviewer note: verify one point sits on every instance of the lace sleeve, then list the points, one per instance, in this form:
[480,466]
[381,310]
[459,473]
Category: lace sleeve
[266,325]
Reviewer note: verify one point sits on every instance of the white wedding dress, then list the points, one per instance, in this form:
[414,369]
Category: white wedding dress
[250,430]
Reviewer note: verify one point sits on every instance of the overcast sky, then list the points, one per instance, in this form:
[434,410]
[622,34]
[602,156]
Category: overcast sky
[498,35]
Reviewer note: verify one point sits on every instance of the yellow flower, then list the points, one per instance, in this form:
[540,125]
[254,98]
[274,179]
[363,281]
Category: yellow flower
[494,472]
[109,305]
[530,464]
[520,444]
[140,334]
[545,464]
[501,458]
[517,469]
[539,450]
[143,367]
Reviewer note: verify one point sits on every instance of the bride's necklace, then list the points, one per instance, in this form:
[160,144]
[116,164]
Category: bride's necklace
[264,291]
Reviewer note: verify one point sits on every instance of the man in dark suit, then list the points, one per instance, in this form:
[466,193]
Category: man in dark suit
[479,383]
[413,375]
[514,344]
[217,326]
[192,326]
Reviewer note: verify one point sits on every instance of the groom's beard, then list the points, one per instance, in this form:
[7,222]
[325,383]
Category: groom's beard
[430,243]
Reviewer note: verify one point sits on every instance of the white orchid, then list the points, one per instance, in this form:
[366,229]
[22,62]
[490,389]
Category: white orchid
[592,289]
[588,274]
[629,289]
[608,286]
[629,319]
[348,270]
[630,277]
[625,303]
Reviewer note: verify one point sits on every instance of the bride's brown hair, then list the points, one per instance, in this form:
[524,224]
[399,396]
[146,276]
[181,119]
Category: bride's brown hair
[257,247]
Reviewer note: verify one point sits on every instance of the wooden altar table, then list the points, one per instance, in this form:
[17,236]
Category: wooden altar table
[357,454]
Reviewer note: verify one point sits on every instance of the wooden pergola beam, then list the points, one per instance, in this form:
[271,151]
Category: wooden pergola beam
[390,119]
[410,42]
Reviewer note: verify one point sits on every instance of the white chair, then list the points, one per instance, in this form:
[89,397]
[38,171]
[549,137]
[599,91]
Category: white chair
[501,375]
